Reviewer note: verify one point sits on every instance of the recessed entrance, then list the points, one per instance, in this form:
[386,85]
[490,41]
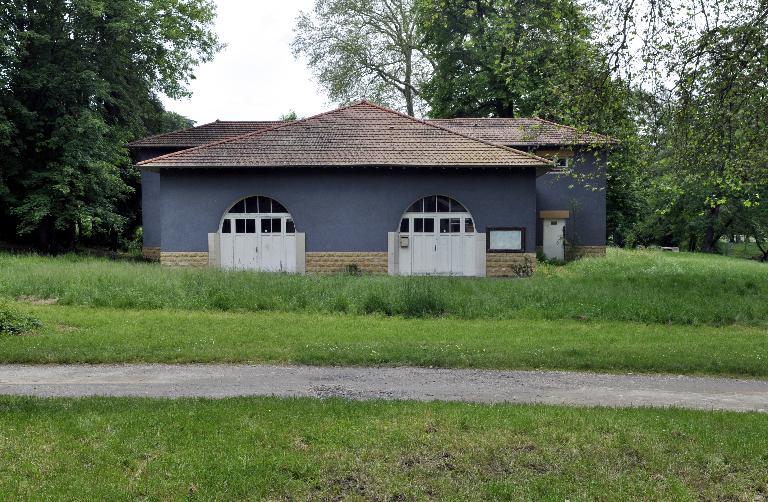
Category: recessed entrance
[437,237]
[258,233]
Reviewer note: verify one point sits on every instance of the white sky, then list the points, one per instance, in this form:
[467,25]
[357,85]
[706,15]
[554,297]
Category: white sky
[255,77]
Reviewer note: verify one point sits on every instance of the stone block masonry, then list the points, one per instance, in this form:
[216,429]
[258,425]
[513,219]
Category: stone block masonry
[574,252]
[337,262]
[151,253]
[184,259]
[509,264]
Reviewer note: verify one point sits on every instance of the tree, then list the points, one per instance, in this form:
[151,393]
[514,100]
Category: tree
[365,48]
[514,58]
[707,67]
[80,80]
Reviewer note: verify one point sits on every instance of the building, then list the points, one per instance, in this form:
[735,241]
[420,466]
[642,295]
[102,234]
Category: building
[367,188]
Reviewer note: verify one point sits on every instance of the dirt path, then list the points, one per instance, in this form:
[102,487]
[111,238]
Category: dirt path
[217,380]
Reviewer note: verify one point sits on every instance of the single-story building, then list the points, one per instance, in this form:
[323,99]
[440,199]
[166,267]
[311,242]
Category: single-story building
[367,188]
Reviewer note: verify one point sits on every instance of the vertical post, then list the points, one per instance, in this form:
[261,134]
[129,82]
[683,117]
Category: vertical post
[393,253]
[301,257]
[214,250]
[480,258]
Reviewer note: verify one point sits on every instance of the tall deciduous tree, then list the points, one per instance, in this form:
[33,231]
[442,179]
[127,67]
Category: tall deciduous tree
[365,48]
[706,64]
[79,79]
[515,58]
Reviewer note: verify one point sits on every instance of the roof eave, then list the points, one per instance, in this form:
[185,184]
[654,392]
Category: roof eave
[152,167]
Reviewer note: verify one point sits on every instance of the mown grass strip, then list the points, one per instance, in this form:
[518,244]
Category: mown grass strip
[302,449]
[97,335]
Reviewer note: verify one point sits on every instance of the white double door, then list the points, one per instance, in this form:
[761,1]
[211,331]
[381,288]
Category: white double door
[439,244]
[266,243]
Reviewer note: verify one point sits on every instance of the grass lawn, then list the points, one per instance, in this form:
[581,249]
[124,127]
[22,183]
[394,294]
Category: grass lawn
[633,286]
[98,335]
[256,448]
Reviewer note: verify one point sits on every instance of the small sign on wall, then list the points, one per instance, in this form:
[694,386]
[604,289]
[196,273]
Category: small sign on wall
[505,240]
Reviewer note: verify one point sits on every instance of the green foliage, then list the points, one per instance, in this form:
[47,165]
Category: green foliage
[505,58]
[625,286]
[710,176]
[79,80]
[15,322]
[364,48]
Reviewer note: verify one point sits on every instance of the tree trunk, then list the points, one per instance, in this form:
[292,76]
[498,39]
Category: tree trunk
[408,85]
[46,235]
[709,245]
[692,243]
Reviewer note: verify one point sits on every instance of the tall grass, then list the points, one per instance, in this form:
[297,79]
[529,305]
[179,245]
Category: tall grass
[640,286]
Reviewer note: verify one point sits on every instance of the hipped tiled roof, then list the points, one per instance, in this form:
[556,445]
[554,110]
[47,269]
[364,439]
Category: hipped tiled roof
[362,134]
[523,132]
[203,134]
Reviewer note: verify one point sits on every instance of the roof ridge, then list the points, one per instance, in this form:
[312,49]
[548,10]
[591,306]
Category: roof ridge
[575,129]
[253,133]
[506,148]
[170,132]
[486,118]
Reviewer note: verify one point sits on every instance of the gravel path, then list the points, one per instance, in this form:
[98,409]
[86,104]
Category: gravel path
[220,380]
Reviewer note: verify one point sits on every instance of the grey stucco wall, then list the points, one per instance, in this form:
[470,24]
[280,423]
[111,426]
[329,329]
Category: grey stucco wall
[586,226]
[150,194]
[150,208]
[346,209]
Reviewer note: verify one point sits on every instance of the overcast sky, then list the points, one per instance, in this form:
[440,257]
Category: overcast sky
[255,77]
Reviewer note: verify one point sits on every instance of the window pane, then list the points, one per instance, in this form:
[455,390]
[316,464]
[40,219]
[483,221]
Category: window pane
[457,207]
[266,226]
[444,227]
[250,226]
[277,225]
[290,228]
[443,204]
[265,204]
[506,240]
[429,225]
[226,227]
[418,224]
[469,225]
[251,205]
[430,204]
[239,226]
[277,207]
[417,207]
[238,208]
[404,225]
[455,225]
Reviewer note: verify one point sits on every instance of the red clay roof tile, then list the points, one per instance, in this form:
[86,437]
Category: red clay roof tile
[206,133]
[362,134]
[522,131]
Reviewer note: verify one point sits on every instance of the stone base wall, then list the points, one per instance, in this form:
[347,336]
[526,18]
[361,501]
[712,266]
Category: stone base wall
[510,264]
[574,252]
[184,259]
[151,253]
[339,262]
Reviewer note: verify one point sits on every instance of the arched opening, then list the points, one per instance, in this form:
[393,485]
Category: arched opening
[437,237]
[258,233]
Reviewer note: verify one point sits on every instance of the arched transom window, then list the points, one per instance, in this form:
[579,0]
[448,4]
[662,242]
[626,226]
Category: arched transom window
[428,215]
[436,204]
[258,214]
